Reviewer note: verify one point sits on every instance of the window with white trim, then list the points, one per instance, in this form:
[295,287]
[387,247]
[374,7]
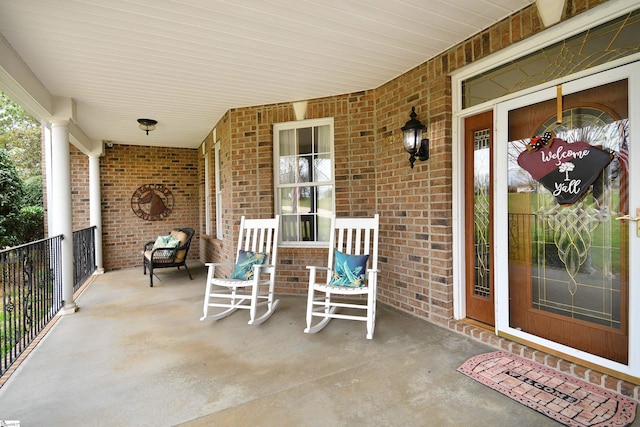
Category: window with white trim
[304,180]
[216,151]
[207,195]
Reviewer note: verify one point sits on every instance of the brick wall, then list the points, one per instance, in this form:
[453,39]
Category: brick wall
[79,189]
[372,171]
[246,136]
[373,175]
[416,204]
[123,169]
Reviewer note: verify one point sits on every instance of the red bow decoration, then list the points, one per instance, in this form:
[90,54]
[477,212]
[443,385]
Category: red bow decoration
[540,141]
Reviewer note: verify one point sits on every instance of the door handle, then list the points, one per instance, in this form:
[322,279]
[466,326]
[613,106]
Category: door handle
[635,219]
[628,217]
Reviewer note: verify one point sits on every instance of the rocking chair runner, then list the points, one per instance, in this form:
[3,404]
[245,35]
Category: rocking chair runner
[255,267]
[353,241]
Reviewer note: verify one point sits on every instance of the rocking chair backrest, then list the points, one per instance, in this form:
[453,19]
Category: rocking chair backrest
[259,235]
[355,236]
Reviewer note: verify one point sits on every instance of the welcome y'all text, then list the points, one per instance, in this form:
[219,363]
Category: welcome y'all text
[571,187]
[560,155]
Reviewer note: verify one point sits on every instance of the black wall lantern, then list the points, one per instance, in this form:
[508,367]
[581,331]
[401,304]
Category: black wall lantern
[412,137]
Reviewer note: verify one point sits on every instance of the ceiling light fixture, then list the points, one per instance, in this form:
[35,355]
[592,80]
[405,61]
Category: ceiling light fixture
[147,124]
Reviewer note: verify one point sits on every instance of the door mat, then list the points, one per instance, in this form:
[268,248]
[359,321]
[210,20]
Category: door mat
[567,400]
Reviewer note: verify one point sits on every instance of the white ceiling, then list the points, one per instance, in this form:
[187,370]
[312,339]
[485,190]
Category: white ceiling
[185,63]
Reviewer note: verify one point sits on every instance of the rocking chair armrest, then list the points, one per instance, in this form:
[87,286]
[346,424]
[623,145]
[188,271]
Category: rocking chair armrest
[211,267]
[217,264]
[312,273]
[262,268]
[315,267]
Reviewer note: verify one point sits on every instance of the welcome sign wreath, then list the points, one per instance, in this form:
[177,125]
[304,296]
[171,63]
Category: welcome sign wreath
[566,169]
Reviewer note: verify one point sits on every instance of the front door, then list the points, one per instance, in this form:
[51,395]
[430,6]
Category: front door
[569,252]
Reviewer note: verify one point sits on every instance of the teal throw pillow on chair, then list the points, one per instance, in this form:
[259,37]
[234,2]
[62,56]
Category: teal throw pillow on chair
[165,242]
[243,269]
[349,270]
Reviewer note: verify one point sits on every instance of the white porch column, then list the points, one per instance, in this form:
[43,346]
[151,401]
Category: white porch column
[95,207]
[60,205]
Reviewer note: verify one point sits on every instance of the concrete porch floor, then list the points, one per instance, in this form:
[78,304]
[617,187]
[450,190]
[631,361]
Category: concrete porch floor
[139,356]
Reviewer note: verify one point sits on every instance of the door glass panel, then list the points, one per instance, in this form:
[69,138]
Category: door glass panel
[481,202]
[584,240]
[568,263]
[575,249]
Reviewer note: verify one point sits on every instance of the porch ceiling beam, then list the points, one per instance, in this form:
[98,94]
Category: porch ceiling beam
[23,87]
[82,142]
[19,83]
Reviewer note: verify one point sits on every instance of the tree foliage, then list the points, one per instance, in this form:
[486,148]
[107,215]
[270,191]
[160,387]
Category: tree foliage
[31,223]
[33,191]
[21,136]
[21,201]
[12,116]
[11,192]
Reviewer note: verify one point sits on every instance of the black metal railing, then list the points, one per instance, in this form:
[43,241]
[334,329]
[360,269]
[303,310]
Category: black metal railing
[31,294]
[84,256]
[31,288]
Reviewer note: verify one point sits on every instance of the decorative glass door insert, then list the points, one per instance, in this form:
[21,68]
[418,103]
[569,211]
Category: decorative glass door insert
[480,304]
[569,262]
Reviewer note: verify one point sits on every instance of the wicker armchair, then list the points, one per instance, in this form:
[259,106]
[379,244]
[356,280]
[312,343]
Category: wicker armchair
[158,257]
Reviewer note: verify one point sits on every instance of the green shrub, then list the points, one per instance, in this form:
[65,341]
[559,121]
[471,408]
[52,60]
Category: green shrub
[33,191]
[31,224]
[11,193]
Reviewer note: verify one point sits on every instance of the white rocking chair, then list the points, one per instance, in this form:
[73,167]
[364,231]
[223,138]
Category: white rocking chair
[352,236]
[257,240]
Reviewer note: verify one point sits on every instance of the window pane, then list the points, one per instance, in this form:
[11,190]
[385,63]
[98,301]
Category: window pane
[323,139]
[303,169]
[305,199]
[288,204]
[325,200]
[324,228]
[322,168]
[287,142]
[305,141]
[288,170]
[290,228]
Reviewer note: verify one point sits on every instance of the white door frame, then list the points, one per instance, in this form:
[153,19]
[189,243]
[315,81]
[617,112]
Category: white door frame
[501,290]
